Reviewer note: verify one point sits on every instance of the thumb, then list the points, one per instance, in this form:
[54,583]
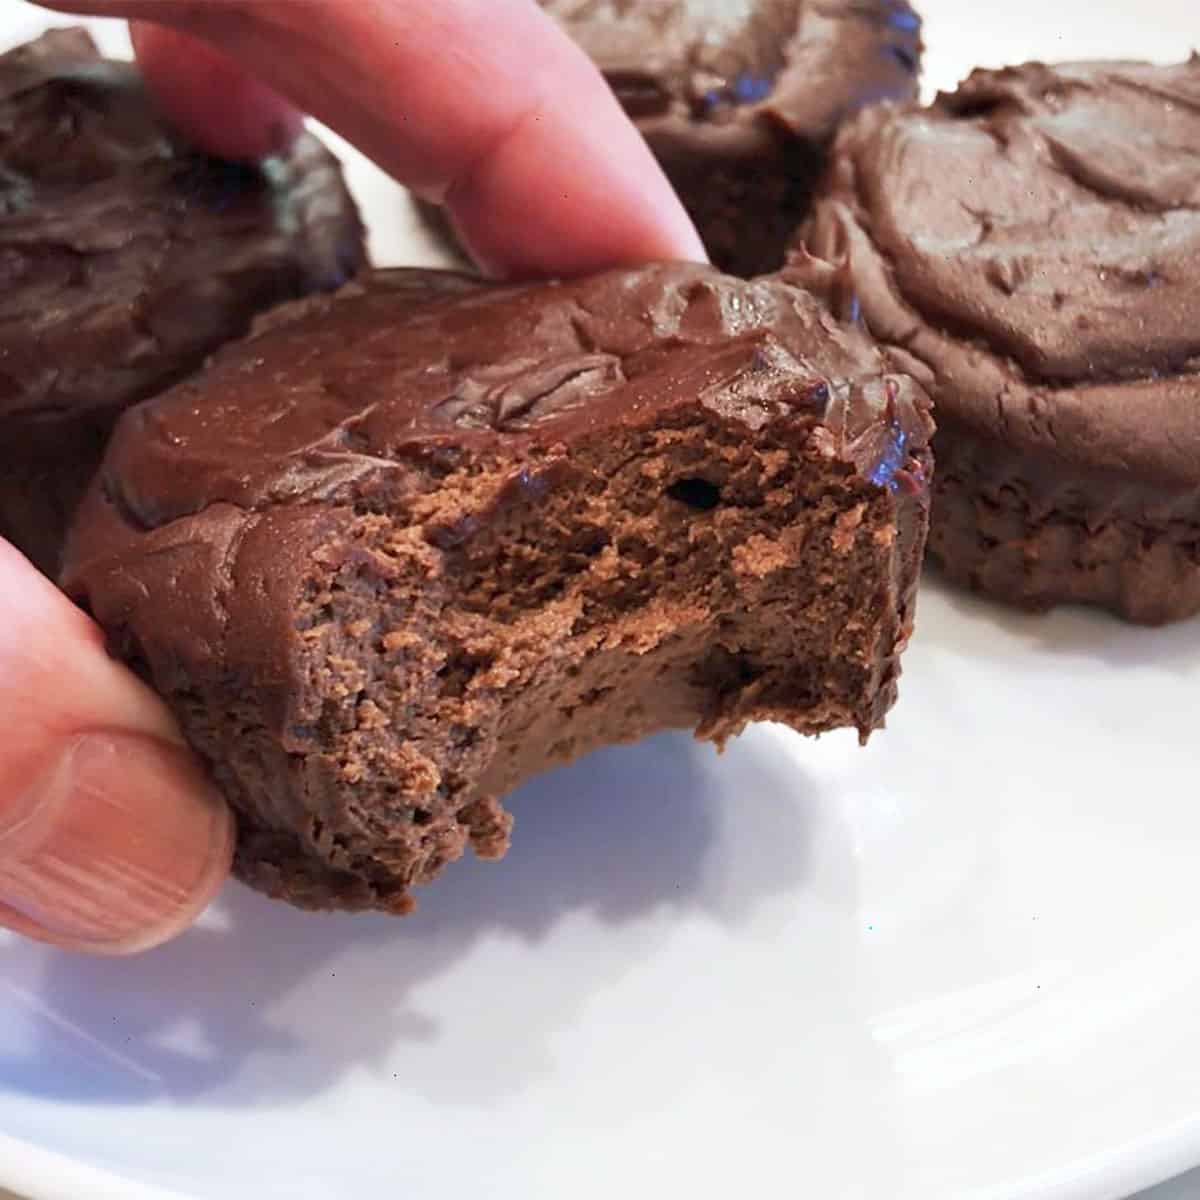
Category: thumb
[111,838]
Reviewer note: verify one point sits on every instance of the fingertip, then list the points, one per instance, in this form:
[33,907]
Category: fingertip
[112,837]
[44,640]
[568,189]
[116,846]
[211,100]
[593,211]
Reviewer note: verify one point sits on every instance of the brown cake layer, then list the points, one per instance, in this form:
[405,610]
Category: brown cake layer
[125,258]
[409,546]
[1030,247]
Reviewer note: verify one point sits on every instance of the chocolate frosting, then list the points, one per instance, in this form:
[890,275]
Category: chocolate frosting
[338,400]
[727,76]
[738,99]
[125,258]
[1033,240]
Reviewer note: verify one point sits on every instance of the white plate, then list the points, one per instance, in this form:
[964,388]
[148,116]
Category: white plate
[959,965]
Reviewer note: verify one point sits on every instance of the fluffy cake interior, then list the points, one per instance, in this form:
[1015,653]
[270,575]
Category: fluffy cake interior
[677,576]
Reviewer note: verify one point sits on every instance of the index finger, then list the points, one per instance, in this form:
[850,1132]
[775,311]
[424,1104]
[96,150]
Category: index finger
[485,105]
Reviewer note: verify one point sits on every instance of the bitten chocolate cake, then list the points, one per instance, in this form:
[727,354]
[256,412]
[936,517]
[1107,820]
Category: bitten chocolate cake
[1030,245]
[124,259]
[739,99]
[406,547]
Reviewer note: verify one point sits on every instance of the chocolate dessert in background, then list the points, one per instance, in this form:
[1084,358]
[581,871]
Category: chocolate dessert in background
[1029,246]
[409,545]
[739,100]
[125,259]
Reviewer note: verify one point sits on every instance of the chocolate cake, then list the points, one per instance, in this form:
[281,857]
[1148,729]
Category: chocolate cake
[1030,247]
[739,99]
[410,545]
[125,258]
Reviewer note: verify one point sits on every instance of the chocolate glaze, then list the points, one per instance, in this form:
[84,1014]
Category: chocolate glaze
[410,544]
[543,364]
[125,258]
[1031,241]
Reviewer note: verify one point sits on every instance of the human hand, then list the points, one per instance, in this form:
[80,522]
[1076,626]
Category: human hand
[483,105]
[111,838]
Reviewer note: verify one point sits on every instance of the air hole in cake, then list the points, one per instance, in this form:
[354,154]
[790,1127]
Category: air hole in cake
[974,107]
[696,493]
[458,672]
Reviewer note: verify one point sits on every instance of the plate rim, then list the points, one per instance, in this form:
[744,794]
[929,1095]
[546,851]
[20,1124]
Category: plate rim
[38,1174]
[1121,1173]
